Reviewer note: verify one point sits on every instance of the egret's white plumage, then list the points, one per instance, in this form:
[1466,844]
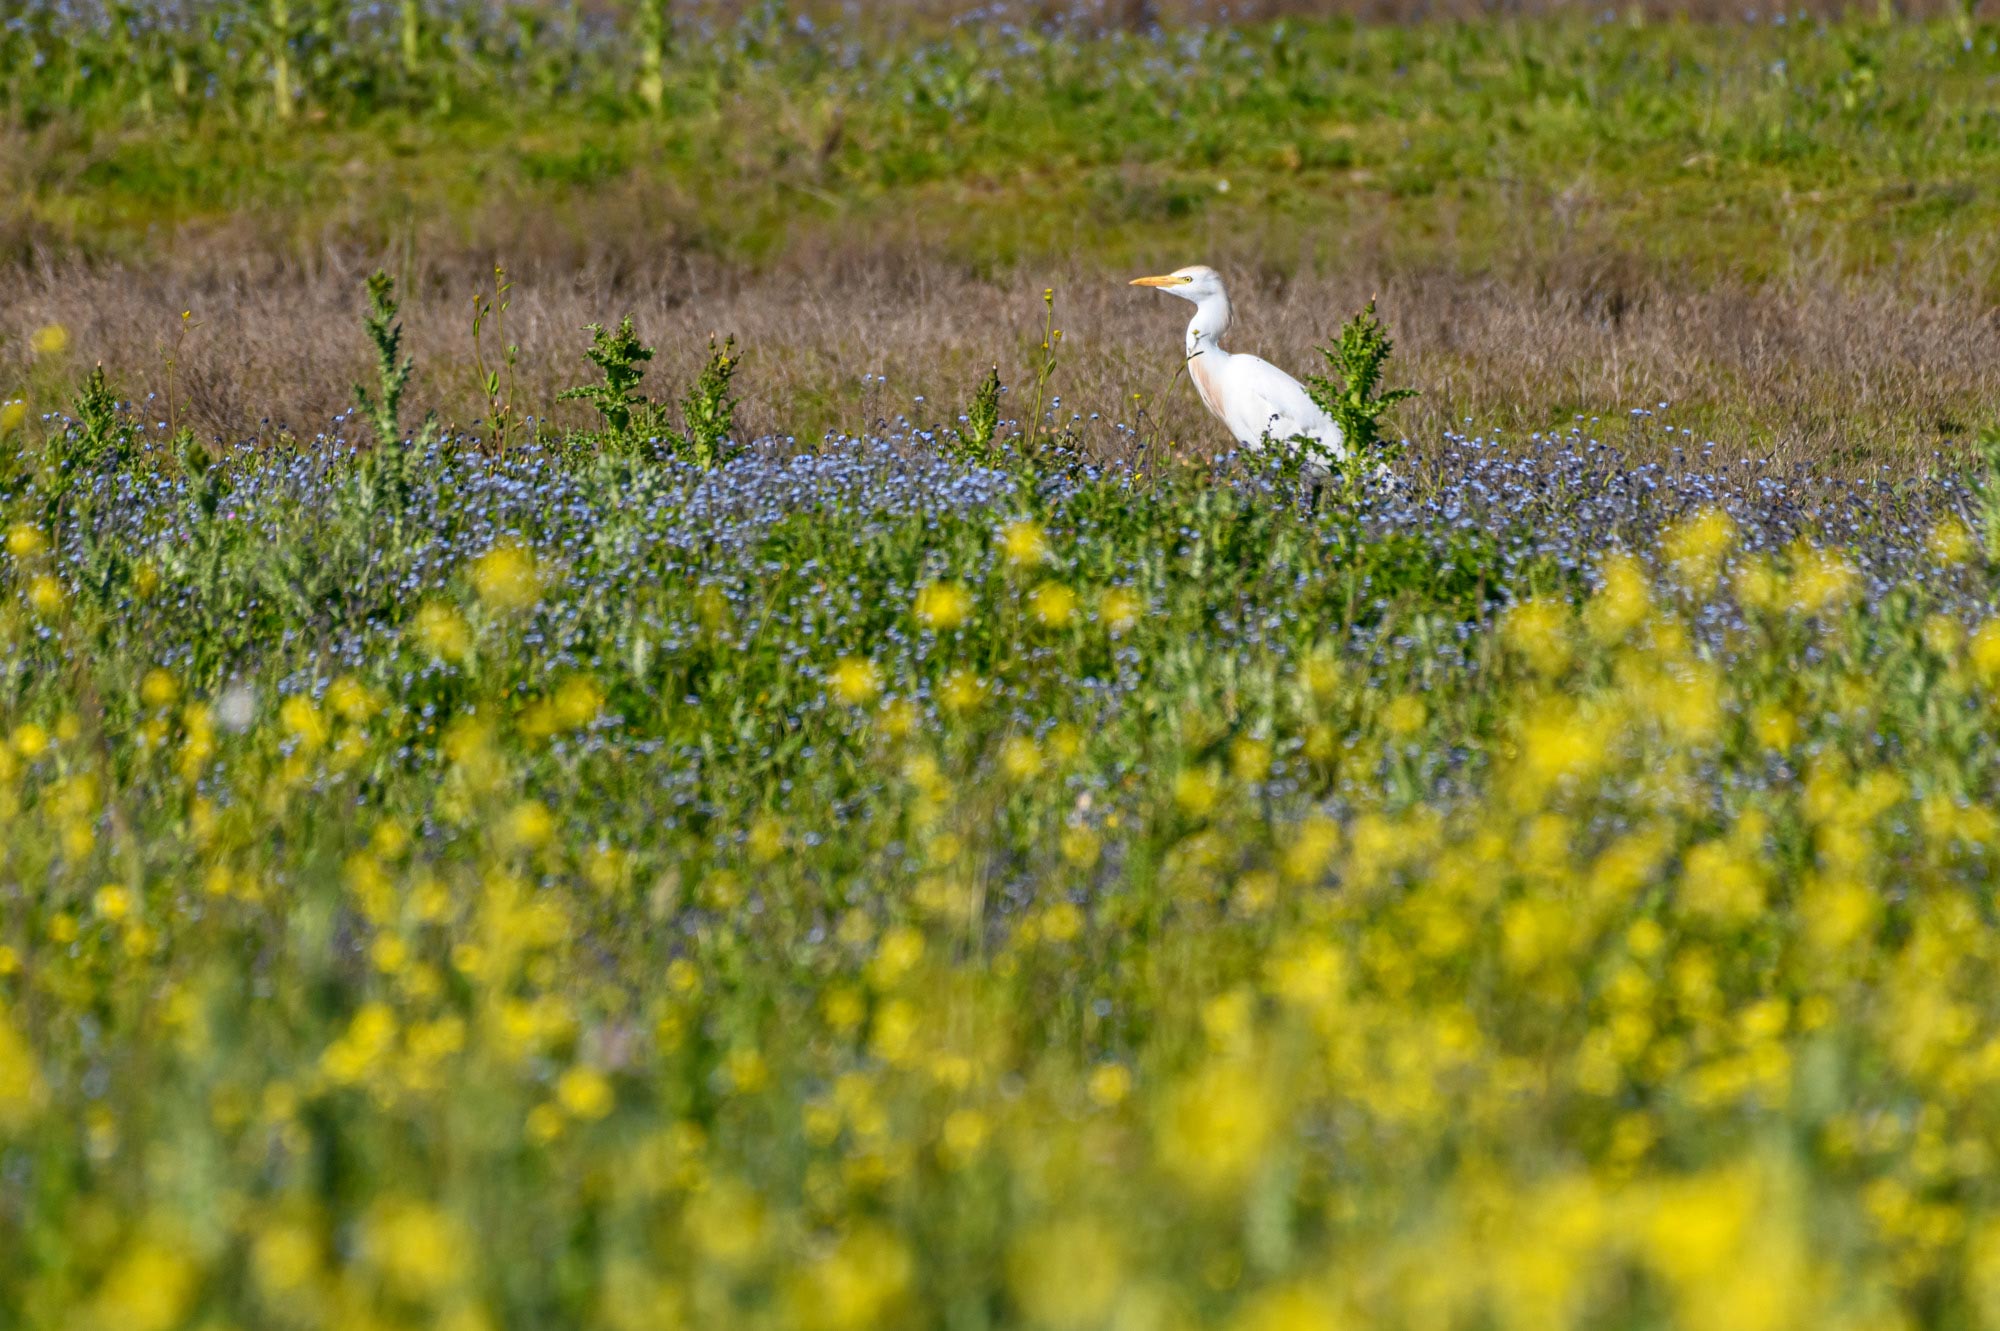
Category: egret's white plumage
[1257,401]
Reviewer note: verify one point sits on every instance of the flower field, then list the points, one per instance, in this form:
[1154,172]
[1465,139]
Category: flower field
[858,890]
[945,846]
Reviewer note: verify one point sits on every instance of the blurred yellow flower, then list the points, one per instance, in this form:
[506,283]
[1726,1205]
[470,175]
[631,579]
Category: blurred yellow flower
[1405,715]
[1539,630]
[1052,604]
[1822,580]
[1196,790]
[303,722]
[1067,1275]
[1215,1126]
[1694,547]
[943,606]
[1951,542]
[1020,759]
[158,688]
[419,1251]
[22,1090]
[443,632]
[855,681]
[45,594]
[529,825]
[961,691]
[49,340]
[1024,543]
[1119,609]
[25,540]
[856,1286]
[12,415]
[150,1288]
[29,740]
[1110,1083]
[584,1093]
[506,577]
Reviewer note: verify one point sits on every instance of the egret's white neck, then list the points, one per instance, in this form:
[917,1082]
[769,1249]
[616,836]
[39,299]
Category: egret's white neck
[1211,321]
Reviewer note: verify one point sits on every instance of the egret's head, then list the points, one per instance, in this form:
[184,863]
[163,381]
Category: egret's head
[1196,284]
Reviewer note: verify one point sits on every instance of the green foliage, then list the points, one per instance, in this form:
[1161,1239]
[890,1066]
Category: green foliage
[103,435]
[620,357]
[392,375]
[708,412]
[976,440]
[1354,395]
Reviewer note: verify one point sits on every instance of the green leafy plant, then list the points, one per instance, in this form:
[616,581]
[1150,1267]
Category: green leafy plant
[393,370]
[1353,395]
[709,410]
[498,390]
[977,439]
[620,357]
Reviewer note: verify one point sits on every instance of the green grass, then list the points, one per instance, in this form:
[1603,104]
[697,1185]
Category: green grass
[1710,149]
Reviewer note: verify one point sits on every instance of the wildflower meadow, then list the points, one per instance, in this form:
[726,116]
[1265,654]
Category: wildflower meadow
[999,865]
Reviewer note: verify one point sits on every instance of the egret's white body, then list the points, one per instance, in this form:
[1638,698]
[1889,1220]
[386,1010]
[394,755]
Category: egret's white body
[1255,399]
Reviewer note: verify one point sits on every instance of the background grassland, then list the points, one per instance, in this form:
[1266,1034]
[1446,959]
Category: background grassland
[1646,208]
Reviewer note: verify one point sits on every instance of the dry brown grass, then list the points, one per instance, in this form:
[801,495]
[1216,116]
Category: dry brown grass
[1841,372]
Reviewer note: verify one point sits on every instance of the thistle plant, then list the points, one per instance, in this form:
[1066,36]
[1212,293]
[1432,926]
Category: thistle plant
[620,357]
[386,478]
[1354,395]
[709,411]
[976,440]
[392,374]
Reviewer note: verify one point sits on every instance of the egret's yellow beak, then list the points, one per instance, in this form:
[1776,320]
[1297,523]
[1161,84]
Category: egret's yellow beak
[1170,280]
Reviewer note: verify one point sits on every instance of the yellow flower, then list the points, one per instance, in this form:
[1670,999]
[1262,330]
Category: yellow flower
[24,540]
[1110,1083]
[112,902]
[1053,605]
[1696,545]
[419,1251]
[961,691]
[1068,1274]
[584,1093]
[856,1286]
[1024,543]
[350,698]
[443,632]
[303,722]
[1538,630]
[12,414]
[1822,580]
[1622,599]
[22,1091]
[1196,790]
[1405,715]
[29,740]
[855,681]
[49,340]
[158,688]
[1216,1125]
[1119,610]
[1020,759]
[1758,584]
[45,594]
[150,1289]
[506,577]
[530,825]
[1950,542]
[943,606]
[1984,651]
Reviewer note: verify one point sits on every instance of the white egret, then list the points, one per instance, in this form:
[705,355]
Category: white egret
[1257,401]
